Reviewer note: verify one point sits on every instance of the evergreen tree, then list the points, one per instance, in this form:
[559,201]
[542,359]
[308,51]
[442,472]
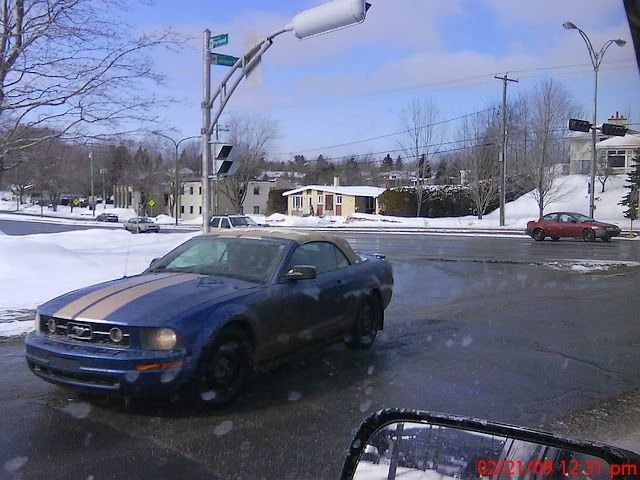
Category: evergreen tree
[399,163]
[631,199]
[387,163]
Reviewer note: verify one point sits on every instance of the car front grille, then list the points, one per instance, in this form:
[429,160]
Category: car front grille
[86,332]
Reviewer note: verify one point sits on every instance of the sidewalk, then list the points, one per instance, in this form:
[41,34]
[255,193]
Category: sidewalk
[615,421]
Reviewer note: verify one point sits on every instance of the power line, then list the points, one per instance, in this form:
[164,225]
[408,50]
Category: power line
[386,135]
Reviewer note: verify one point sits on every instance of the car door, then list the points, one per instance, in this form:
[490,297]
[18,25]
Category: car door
[550,224]
[568,226]
[313,310]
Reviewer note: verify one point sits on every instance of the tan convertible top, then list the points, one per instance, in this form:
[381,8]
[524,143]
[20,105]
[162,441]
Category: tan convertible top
[298,237]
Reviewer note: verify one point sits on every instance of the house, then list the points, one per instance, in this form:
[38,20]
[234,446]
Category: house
[255,201]
[332,200]
[619,150]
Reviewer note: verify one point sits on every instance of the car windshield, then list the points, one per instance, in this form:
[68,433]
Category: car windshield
[242,222]
[582,218]
[247,259]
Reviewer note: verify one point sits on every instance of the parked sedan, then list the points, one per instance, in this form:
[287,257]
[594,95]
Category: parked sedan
[233,221]
[203,317]
[141,225]
[107,217]
[566,224]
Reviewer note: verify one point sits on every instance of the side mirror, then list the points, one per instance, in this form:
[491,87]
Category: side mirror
[154,262]
[573,220]
[301,272]
[394,444]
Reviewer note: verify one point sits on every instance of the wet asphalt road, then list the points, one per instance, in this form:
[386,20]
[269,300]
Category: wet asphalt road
[476,326]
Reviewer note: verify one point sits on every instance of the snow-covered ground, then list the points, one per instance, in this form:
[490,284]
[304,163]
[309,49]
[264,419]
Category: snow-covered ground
[574,198]
[37,268]
[370,471]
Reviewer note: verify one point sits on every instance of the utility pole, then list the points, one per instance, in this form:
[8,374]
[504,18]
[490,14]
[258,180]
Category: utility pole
[503,155]
[93,198]
[206,132]
[104,191]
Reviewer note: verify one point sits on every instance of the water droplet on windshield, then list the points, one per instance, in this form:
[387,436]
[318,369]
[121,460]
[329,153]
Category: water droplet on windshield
[131,376]
[294,396]
[356,443]
[15,464]
[283,338]
[87,439]
[368,391]
[365,406]
[466,340]
[565,364]
[449,343]
[169,375]
[207,396]
[90,477]
[78,410]
[371,369]
[223,428]
[429,338]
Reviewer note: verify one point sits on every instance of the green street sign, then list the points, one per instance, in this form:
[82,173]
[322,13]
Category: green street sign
[218,41]
[151,202]
[76,202]
[225,60]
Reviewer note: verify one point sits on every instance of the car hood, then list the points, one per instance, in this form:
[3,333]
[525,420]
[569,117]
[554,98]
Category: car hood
[602,224]
[147,299]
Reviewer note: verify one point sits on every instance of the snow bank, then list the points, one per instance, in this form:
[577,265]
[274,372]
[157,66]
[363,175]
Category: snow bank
[64,211]
[36,268]
[13,329]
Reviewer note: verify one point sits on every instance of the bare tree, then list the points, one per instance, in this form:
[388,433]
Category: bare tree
[251,138]
[603,170]
[70,66]
[481,160]
[53,169]
[550,106]
[421,140]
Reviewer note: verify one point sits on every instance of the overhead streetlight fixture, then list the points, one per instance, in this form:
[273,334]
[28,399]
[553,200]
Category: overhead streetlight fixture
[620,42]
[569,26]
[329,17]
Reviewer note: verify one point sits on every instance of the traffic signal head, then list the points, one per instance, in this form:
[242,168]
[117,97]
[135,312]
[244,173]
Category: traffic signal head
[579,125]
[224,160]
[610,129]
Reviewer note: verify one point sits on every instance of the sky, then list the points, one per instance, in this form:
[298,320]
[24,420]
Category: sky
[355,83]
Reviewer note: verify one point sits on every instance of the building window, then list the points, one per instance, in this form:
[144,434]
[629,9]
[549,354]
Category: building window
[200,210]
[297,202]
[616,158]
[256,210]
[370,203]
[338,199]
[199,190]
[256,190]
[190,190]
[182,209]
[191,209]
[320,199]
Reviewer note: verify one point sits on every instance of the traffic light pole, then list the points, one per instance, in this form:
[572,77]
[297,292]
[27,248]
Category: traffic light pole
[206,134]
[503,154]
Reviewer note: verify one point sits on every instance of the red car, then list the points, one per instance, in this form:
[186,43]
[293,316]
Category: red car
[567,224]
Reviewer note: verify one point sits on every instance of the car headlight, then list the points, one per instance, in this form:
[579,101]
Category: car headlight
[158,338]
[36,321]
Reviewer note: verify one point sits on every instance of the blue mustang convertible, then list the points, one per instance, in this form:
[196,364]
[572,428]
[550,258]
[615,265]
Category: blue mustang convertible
[209,313]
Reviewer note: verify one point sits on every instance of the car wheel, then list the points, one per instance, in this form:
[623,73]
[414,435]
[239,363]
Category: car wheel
[366,326]
[588,235]
[538,235]
[555,239]
[224,368]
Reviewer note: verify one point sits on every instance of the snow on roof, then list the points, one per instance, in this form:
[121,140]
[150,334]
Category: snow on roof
[355,191]
[628,141]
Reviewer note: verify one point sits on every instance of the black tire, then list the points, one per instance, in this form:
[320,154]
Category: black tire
[588,235]
[366,326]
[538,235]
[555,239]
[225,366]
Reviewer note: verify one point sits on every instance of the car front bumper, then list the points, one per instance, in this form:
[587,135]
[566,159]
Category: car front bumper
[602,233]
[99,369]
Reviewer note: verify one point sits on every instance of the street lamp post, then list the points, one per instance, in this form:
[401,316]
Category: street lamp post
[324,18]
[596,60]
[176,189]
